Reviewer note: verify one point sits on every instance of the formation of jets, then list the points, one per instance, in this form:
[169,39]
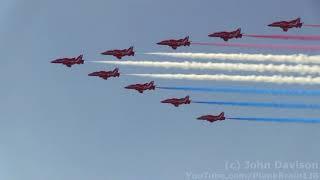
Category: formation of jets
[174,44]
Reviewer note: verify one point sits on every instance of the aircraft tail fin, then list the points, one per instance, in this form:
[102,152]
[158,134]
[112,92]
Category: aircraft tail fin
[80,57]
[299,23]
[187,98]
[238,33]
[186,41]
[116,70]
[130,51]
[296,21]
[221,114]
[151,85]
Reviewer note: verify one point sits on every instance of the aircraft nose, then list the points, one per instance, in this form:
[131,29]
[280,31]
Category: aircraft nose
[54,61]
[105,53]
[159,43]
[91,74]
[127,87]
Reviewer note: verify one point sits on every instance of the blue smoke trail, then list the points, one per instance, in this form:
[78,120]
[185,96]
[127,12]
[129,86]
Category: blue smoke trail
[283,120]
[248,91]
[258,104]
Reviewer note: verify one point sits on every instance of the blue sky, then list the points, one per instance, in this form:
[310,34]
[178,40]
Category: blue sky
[58,123]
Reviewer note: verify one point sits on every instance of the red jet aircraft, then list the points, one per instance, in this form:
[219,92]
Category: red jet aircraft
[69,61]
[177,101]
[142,87]
[120,53]
[227,35]
[176,43]
[211,118]
[106,74]
[285,25]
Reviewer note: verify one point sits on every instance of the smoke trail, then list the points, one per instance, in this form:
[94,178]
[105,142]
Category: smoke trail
[247,91]
[301,69]
[258,104]
[267,46]
[283,120]
[311,25]
[223,77]
[286,37]
[298,58]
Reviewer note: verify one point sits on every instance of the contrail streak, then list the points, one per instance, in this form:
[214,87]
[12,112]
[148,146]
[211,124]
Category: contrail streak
[239,78]
[312,25]
[285,37]
[293,92]
[301,69]
[265,46]
[258,104]
[282,120]
[297,58]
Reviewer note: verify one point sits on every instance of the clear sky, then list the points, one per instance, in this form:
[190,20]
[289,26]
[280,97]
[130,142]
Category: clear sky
[57,123]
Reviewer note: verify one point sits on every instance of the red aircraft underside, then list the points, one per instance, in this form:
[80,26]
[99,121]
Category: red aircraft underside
[212,118]
[142,87]
[286,25]
[69,61]
[106,74]
[174,44]
[177,101]
[120,53]
[227,35]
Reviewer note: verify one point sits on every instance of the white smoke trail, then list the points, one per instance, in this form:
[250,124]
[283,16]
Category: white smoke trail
[222,77]
[301,69]
[296,58]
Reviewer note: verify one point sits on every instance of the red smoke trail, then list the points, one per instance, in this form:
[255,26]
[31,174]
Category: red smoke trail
[293,37]
[312,25]
[265,46]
